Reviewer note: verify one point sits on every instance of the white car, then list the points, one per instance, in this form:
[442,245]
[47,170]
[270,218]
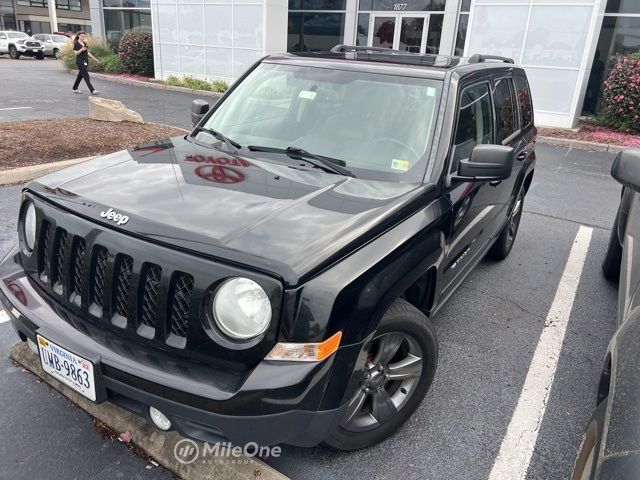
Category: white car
[53,44]
[17,44]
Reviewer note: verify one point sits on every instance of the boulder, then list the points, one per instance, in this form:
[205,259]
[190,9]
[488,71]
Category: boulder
[111,111]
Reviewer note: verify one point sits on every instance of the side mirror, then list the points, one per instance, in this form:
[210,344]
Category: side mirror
[199,109]
[486,163]
[626,168]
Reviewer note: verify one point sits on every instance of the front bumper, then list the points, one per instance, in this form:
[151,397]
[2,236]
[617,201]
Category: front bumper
[275,403]
[29,50]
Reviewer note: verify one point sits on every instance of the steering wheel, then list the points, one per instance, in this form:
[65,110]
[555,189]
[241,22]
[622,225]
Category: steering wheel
[399,144]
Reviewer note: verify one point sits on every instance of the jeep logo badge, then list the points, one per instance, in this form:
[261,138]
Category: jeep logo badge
[119,218]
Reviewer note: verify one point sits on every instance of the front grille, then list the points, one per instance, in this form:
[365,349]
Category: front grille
[110,287]
[150,295]
[32,44]
[181,304]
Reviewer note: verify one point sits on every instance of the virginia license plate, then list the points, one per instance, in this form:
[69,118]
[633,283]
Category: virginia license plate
[72,370]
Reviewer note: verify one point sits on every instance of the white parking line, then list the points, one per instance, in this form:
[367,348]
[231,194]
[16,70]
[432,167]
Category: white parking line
[517,446]
[3,316]
[14,108]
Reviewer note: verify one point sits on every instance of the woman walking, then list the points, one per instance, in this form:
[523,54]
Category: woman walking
[81,49]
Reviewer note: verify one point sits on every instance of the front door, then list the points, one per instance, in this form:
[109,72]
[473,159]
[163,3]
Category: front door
[405,32]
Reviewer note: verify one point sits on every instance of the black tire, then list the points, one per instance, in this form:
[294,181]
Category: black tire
[13,52]
[613,257]
[56,53]
[507,237]
[401,321]
[587,460]
[40,56]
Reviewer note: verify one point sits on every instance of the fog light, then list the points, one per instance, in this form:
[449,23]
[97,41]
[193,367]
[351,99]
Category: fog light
[159,419]
[32,346]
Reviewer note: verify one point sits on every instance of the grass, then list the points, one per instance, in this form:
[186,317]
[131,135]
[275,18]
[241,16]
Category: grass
[197,83]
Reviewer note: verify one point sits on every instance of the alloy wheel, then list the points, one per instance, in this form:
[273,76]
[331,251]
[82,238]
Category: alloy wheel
[393,369]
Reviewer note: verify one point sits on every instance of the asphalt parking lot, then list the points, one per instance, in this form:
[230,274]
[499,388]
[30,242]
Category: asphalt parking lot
[488,333]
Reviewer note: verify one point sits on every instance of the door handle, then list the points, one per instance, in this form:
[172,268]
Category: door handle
[522,155]
[495,183]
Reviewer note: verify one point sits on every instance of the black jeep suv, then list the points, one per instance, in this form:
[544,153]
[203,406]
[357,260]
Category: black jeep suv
[269,277]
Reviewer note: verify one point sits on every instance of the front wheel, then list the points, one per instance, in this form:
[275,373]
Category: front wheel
[56,53]
[504,243]
[40,55]
[13,53]
[401,363]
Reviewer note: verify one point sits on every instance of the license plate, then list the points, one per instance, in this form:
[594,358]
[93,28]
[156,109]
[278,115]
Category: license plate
[72,370]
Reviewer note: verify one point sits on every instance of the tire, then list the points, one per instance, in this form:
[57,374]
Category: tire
[40,56]
[56,53]
[13,53]
[613,257]
[584,467]
[507,237]
[409,333]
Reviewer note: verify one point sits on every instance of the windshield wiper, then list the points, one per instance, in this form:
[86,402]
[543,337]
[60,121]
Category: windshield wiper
[328,164]
[231,144]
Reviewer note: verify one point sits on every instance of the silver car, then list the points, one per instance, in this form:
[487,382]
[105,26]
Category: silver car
[53,43]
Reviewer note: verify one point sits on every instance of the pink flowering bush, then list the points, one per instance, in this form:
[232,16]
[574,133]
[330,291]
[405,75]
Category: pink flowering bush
[136,53]
[621,98]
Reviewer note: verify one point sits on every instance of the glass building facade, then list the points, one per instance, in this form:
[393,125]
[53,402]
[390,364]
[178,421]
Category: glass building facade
[7,15]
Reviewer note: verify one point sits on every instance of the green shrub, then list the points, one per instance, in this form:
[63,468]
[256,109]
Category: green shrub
[136,53]
[111,64]
[197,83]
[620,107]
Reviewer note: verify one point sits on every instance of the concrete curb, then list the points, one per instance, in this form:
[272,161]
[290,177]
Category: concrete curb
[24,174]
[598,147]
[158,86]
[158,445]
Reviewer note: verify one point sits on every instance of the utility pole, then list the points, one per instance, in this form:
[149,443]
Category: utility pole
[53,18]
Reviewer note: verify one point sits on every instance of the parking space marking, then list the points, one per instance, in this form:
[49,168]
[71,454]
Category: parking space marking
[517,446]
[3,316]
[14,108]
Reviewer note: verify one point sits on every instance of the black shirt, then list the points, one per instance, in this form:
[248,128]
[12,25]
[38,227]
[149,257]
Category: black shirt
[84,56]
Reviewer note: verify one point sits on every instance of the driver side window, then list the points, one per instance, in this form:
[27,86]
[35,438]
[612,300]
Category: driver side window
[475,124]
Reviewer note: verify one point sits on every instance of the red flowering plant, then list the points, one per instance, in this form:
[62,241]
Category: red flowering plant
[136,53]
[620,107]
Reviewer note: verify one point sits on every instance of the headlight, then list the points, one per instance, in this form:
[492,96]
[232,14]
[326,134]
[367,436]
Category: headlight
[30,226]
[241,309]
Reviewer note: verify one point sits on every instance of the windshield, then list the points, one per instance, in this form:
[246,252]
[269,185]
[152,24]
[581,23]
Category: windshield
[58,38]
[17,35]
[380,125]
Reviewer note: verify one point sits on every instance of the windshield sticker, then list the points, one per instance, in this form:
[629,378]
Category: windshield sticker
[307,95]
[402,165]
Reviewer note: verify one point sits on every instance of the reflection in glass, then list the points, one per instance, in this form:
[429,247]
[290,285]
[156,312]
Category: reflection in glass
[461,36]
[309,32]
[119,22]
[362,34]
[383,30]
[623,6]
[411,34]
[435,34]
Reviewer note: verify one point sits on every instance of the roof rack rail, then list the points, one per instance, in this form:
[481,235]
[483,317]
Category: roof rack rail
[483,58]
[359,48]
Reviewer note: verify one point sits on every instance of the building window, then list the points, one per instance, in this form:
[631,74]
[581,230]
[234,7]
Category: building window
[7,17]
[461,31]
[315,25]
[618,36]
[117,22]
[33,28]
[73,28]
[60,4]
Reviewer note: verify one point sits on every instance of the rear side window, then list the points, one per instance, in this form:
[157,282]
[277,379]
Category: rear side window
[474,122]
[505,109]
[524,100]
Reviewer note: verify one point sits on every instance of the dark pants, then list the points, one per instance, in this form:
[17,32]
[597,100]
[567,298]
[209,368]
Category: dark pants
[83,72]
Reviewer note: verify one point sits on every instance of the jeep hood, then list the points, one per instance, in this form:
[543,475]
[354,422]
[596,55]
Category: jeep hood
[281,218]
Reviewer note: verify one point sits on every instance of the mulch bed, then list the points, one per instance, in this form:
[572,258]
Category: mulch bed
[34,142]
[594,133]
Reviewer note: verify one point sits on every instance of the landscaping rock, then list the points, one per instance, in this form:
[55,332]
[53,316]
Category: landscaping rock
[112,111]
